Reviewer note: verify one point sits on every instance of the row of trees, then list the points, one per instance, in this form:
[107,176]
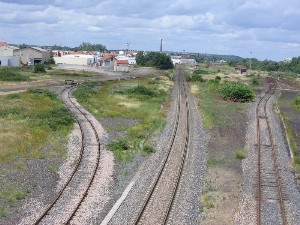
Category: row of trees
[154,59]
[84,46]
[268,65]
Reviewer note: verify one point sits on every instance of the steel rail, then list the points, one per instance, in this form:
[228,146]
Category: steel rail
[270,92]
[46,212]
[162,168]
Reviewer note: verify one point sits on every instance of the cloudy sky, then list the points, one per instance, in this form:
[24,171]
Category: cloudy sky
[270,29]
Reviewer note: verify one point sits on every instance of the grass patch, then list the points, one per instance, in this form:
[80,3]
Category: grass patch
[213,110]
[4,212]
[297,103]
[141,99]
[29,122]
[11,194]
[291,137]
[8,75]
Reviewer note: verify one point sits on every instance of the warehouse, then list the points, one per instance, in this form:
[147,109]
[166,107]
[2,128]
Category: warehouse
[32,55]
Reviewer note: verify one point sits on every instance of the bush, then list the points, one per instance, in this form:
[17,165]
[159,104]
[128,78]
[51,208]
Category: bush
[213,85]
[142,90]
[240,154]
[148,149]
[255,81]
[121,145]
[235,91]
[39,68]
[195,77]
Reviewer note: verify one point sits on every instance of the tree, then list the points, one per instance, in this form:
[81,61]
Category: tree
[154,59]
[86,46]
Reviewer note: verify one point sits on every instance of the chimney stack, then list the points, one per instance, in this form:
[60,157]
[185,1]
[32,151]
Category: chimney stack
[160,45]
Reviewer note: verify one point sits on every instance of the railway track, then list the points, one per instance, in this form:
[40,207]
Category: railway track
[271,198]
[64,207]
[158,203]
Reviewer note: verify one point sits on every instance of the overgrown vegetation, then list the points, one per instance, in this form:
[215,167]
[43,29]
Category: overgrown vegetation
[235,90]
[139,99]
[30,121]
[6,74]
[297,102]
[212,109]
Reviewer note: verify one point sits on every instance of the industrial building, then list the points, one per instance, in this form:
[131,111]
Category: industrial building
[32,55]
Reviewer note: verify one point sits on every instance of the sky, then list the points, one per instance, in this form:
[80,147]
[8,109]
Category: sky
[262,29]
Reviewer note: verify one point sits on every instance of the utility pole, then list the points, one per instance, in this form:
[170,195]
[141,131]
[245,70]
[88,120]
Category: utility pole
[128,43]
[250,59]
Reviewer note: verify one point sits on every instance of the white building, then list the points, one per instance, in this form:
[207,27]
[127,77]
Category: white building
[9,61]
[76,59]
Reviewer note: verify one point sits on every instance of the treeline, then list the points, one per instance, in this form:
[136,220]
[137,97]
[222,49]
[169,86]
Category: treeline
[84,46]
[268,65]
[154,59]
[208,58]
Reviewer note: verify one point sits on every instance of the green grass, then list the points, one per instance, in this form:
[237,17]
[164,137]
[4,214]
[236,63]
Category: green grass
[10,194]
[31,121]
[8,75]
[297,103]
[212,109]
[290,134]
[139,99]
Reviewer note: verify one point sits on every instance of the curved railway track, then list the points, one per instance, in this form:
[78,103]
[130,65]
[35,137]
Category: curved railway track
[64,207]
[270,193]
[159,200]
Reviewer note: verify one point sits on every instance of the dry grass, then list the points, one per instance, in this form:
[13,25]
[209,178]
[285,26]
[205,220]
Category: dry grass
[194,89]
[125,101]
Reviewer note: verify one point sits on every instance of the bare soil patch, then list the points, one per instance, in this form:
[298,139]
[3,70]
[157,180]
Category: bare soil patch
[224,177]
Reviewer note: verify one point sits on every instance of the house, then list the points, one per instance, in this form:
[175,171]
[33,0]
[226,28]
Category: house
[107,61]
[121,65]
[240,69]
[32,55]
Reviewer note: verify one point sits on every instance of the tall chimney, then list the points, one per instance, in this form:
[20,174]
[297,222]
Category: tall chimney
[160,45]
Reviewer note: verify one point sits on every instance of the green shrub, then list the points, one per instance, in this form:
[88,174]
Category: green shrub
[39,68]
[121,145]
[142,90]
[218,78]
[148,149]
[236,90]
[213,85]
[240,154]
[297,102]
[195,77]
[255,80]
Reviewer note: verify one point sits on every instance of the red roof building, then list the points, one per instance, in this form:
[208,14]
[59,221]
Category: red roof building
[3,44]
